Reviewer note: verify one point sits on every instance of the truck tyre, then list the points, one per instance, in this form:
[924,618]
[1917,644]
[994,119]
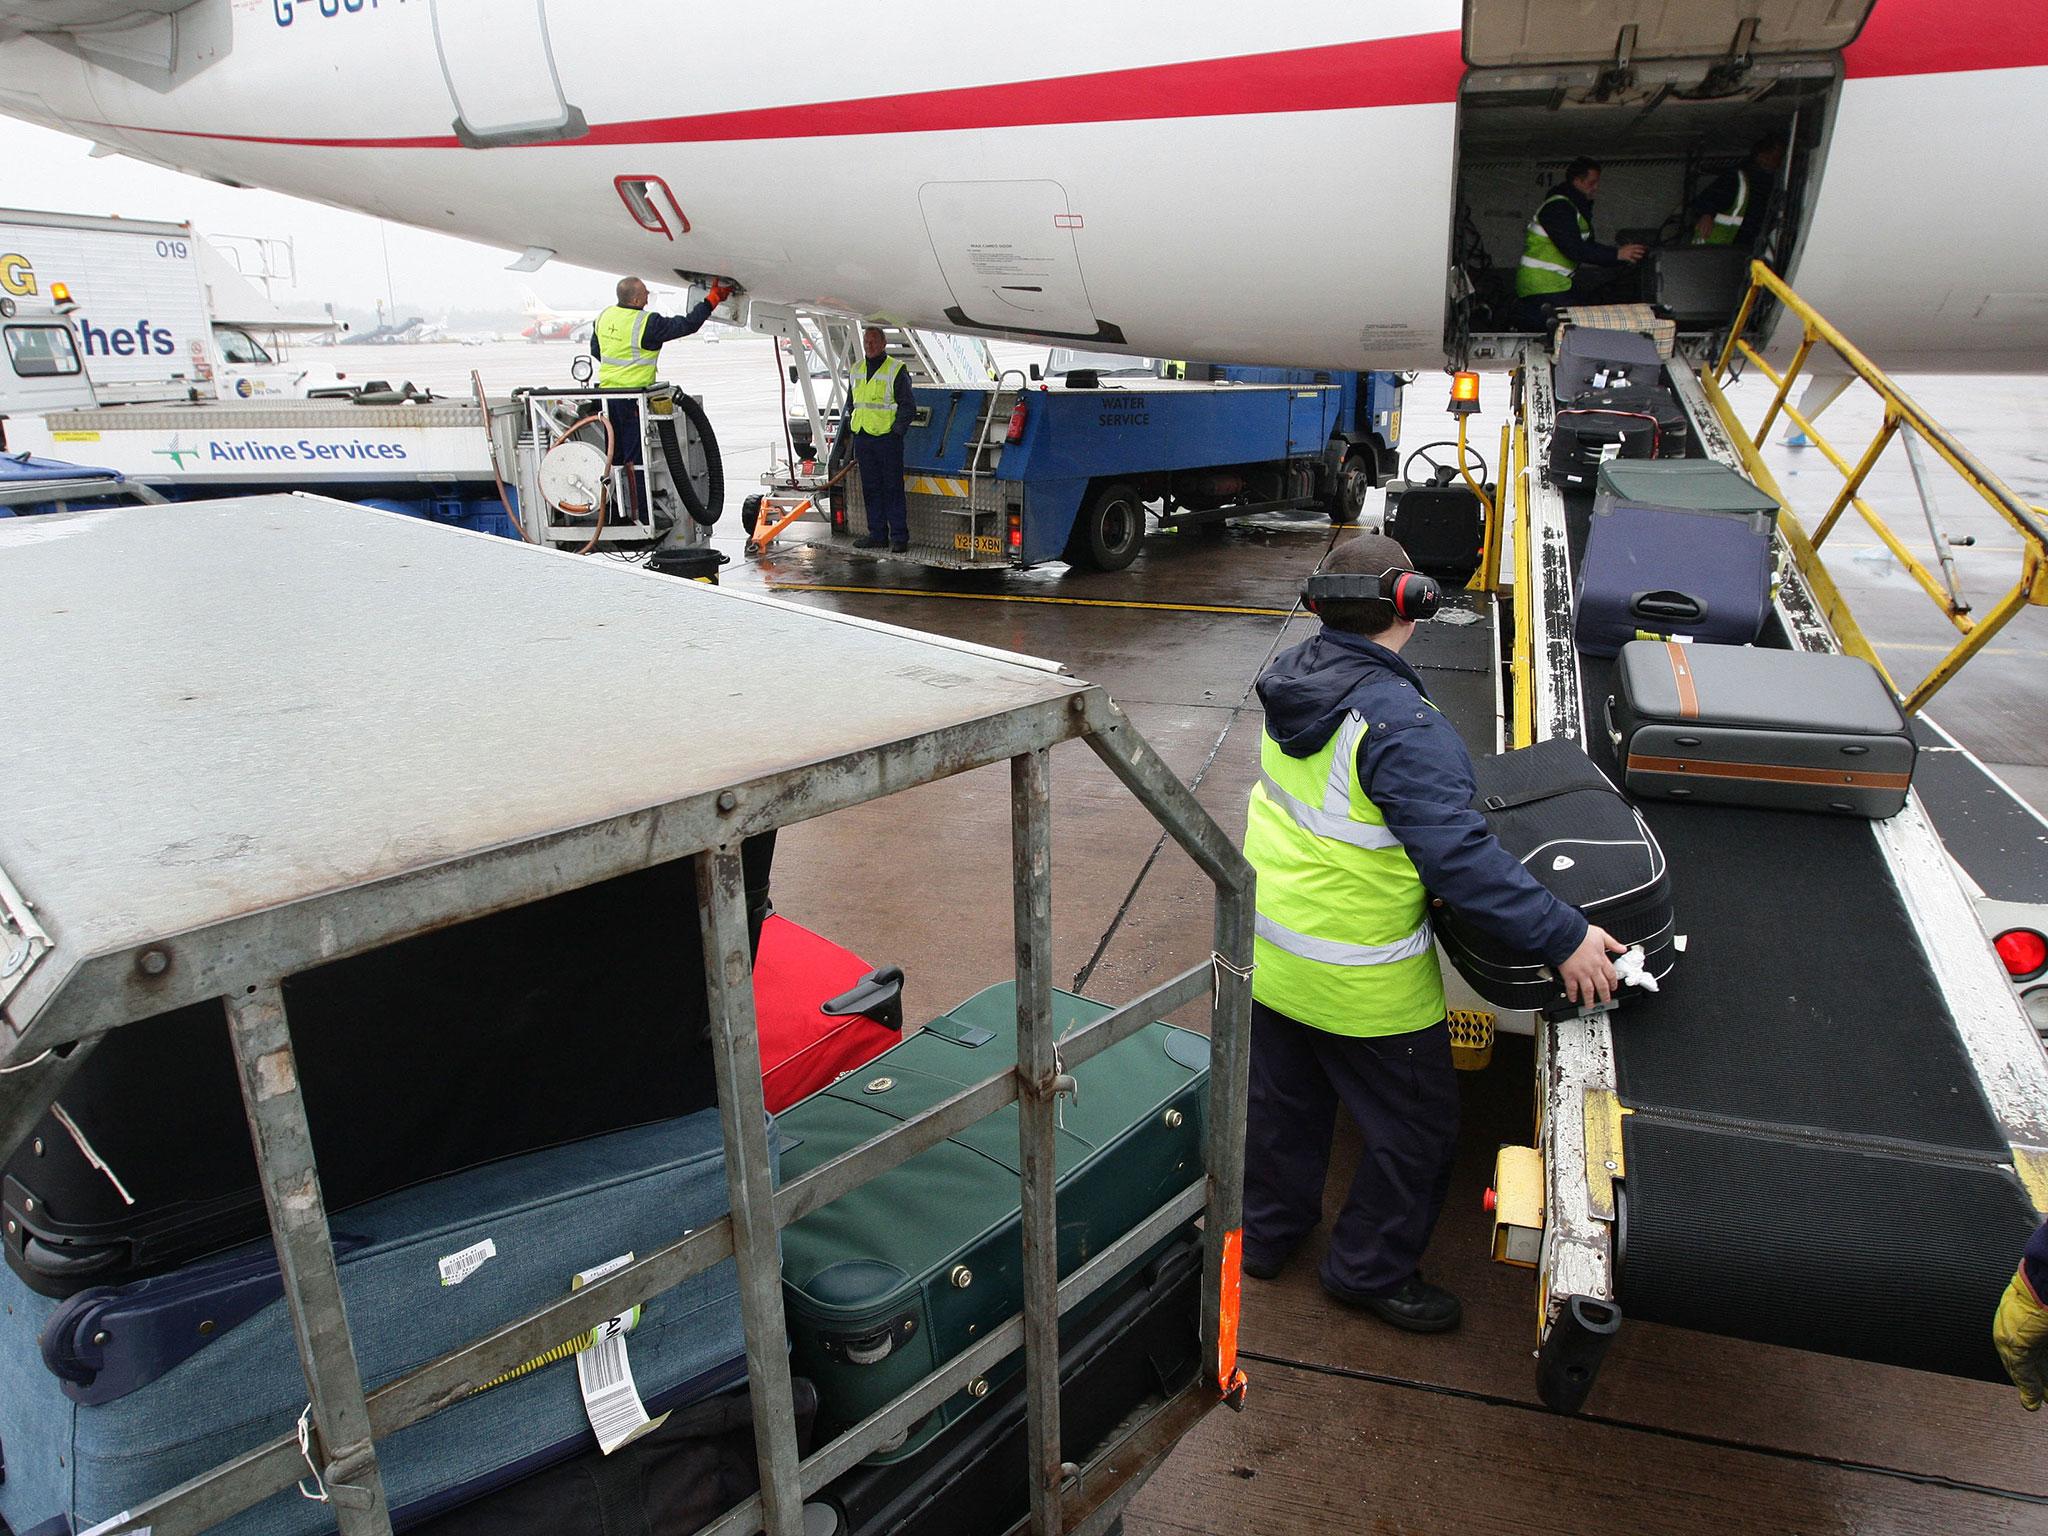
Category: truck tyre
[1110,529]
[1354,479]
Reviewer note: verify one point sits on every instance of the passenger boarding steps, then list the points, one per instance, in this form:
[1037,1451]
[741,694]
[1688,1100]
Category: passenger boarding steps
[1830,1131]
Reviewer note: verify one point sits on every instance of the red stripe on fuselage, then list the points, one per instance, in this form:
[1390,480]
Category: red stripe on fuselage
[1921,37]
[1385,72]
[1902,37]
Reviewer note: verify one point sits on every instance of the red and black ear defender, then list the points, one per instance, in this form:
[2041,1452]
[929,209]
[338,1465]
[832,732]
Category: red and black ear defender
[1415,596]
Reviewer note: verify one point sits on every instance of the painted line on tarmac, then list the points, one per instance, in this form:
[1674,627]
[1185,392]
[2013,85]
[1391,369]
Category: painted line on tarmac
[1022,597]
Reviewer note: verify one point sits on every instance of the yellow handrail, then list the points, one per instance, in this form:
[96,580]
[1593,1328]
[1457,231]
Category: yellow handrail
[1900,412]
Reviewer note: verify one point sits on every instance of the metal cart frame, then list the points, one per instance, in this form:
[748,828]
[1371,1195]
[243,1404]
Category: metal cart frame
[70,972]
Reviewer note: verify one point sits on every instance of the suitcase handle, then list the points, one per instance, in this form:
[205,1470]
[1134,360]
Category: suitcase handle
[878,995]
[1667,605]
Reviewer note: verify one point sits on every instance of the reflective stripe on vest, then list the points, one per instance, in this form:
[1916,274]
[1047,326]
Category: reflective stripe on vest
[874,399]
[1545,268]
[1342,936]
[1728,222]
[622,363]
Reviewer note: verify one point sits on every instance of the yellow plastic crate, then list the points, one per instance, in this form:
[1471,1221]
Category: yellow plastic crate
[1471,1038]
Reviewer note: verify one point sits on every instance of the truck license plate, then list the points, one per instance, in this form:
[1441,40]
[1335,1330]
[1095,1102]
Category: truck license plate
[983,544]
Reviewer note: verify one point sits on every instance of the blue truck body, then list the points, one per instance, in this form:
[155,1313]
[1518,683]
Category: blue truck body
[1000,478]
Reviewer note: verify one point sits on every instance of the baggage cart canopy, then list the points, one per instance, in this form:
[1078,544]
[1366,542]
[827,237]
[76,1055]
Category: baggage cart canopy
[248,736]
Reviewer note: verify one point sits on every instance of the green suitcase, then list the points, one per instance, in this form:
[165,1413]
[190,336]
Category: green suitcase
[889,1282]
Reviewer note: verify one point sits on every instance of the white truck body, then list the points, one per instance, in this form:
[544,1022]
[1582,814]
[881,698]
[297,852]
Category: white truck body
[144,319]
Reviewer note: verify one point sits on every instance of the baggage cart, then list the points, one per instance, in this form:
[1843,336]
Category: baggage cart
[241,675]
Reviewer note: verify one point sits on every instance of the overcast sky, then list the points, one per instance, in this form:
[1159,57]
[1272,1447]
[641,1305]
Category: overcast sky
[340,255]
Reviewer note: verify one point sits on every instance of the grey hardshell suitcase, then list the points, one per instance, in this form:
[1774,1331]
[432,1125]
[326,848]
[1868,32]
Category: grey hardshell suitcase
[1589,359]
[1681,485]
[1732,725]
[890,1281]
[122,1392]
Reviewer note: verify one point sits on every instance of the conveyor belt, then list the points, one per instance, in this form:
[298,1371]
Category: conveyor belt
[1810,1159]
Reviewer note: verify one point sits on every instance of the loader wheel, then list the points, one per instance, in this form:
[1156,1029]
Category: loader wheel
[750,512]
[1110,529]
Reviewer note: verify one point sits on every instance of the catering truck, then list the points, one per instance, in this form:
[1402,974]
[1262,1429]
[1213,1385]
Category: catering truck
[158,314]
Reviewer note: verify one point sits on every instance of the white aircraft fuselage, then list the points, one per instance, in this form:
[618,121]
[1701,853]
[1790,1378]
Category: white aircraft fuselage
[1272,183]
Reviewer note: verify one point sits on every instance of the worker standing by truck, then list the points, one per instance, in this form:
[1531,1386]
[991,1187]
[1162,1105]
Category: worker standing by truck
[1362,810]
[882,410]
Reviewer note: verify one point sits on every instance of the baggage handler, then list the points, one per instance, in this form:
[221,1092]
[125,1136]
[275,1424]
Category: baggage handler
[2020,1328]
[1731,210]
[1558,247]
[627,341]
[882,409]
[1362,810]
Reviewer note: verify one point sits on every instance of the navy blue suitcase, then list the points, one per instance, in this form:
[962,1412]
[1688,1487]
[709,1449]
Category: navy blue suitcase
[122,1392]
[1652,573]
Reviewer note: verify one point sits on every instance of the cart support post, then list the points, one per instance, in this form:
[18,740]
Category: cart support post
[1040,1082]
[749,1182]
[305,1254]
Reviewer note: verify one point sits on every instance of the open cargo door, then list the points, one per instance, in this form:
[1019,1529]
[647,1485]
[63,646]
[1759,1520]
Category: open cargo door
[1504,34]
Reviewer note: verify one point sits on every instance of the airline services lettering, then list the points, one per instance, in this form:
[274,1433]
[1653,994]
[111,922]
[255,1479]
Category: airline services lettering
[305,448]
[139,340]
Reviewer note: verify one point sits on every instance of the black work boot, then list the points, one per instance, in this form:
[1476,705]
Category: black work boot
[899,546]
[869,541]
[1415,1305]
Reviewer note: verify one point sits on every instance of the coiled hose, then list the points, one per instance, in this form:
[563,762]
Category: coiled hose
[708,509]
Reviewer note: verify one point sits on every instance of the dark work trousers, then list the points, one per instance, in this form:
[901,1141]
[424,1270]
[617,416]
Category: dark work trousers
[1401,1092]
[881,485]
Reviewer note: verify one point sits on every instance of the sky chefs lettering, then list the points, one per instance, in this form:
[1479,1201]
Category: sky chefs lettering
[140,340]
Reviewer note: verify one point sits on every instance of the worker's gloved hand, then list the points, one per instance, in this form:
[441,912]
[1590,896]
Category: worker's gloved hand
[1587,973]
[2020,1330]
[720,291]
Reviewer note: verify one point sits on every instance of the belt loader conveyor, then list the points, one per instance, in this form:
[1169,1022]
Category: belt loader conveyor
[1831,1130]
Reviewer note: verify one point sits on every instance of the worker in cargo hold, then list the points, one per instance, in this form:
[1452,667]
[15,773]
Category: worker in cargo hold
[1561,261]
[1362,812]
[1730,209]
[882,409]
[2020,1329]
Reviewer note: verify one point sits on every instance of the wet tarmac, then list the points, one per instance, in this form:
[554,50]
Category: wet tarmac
[1350,1425]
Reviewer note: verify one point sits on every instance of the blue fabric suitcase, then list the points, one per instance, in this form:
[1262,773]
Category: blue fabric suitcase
[171,1375]
[1652,573]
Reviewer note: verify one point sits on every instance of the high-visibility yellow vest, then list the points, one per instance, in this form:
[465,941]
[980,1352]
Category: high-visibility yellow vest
[1728,221]
[1545,268]
[622,363]
[874,399]
[1342,938]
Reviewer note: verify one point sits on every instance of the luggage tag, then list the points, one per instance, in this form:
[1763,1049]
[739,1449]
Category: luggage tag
[605,1373]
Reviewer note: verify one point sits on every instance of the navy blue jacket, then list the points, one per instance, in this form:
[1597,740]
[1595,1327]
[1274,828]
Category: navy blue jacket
[1414,765]
[2034,1264]
[665,328]
[1562,227]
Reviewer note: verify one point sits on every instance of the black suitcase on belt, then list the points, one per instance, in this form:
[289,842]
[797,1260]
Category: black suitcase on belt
[1554,810]
[566,1018]
[1582,438]
[1674,430]
[1142,1342]
[1736,725]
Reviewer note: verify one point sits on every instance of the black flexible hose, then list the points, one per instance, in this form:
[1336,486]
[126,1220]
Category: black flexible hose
[711,508]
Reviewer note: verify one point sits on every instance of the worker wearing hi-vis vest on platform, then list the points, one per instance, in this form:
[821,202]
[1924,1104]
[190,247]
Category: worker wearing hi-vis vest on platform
[627,341]
[1730,210]
[1362,812]
[882,408]
[1561,261]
